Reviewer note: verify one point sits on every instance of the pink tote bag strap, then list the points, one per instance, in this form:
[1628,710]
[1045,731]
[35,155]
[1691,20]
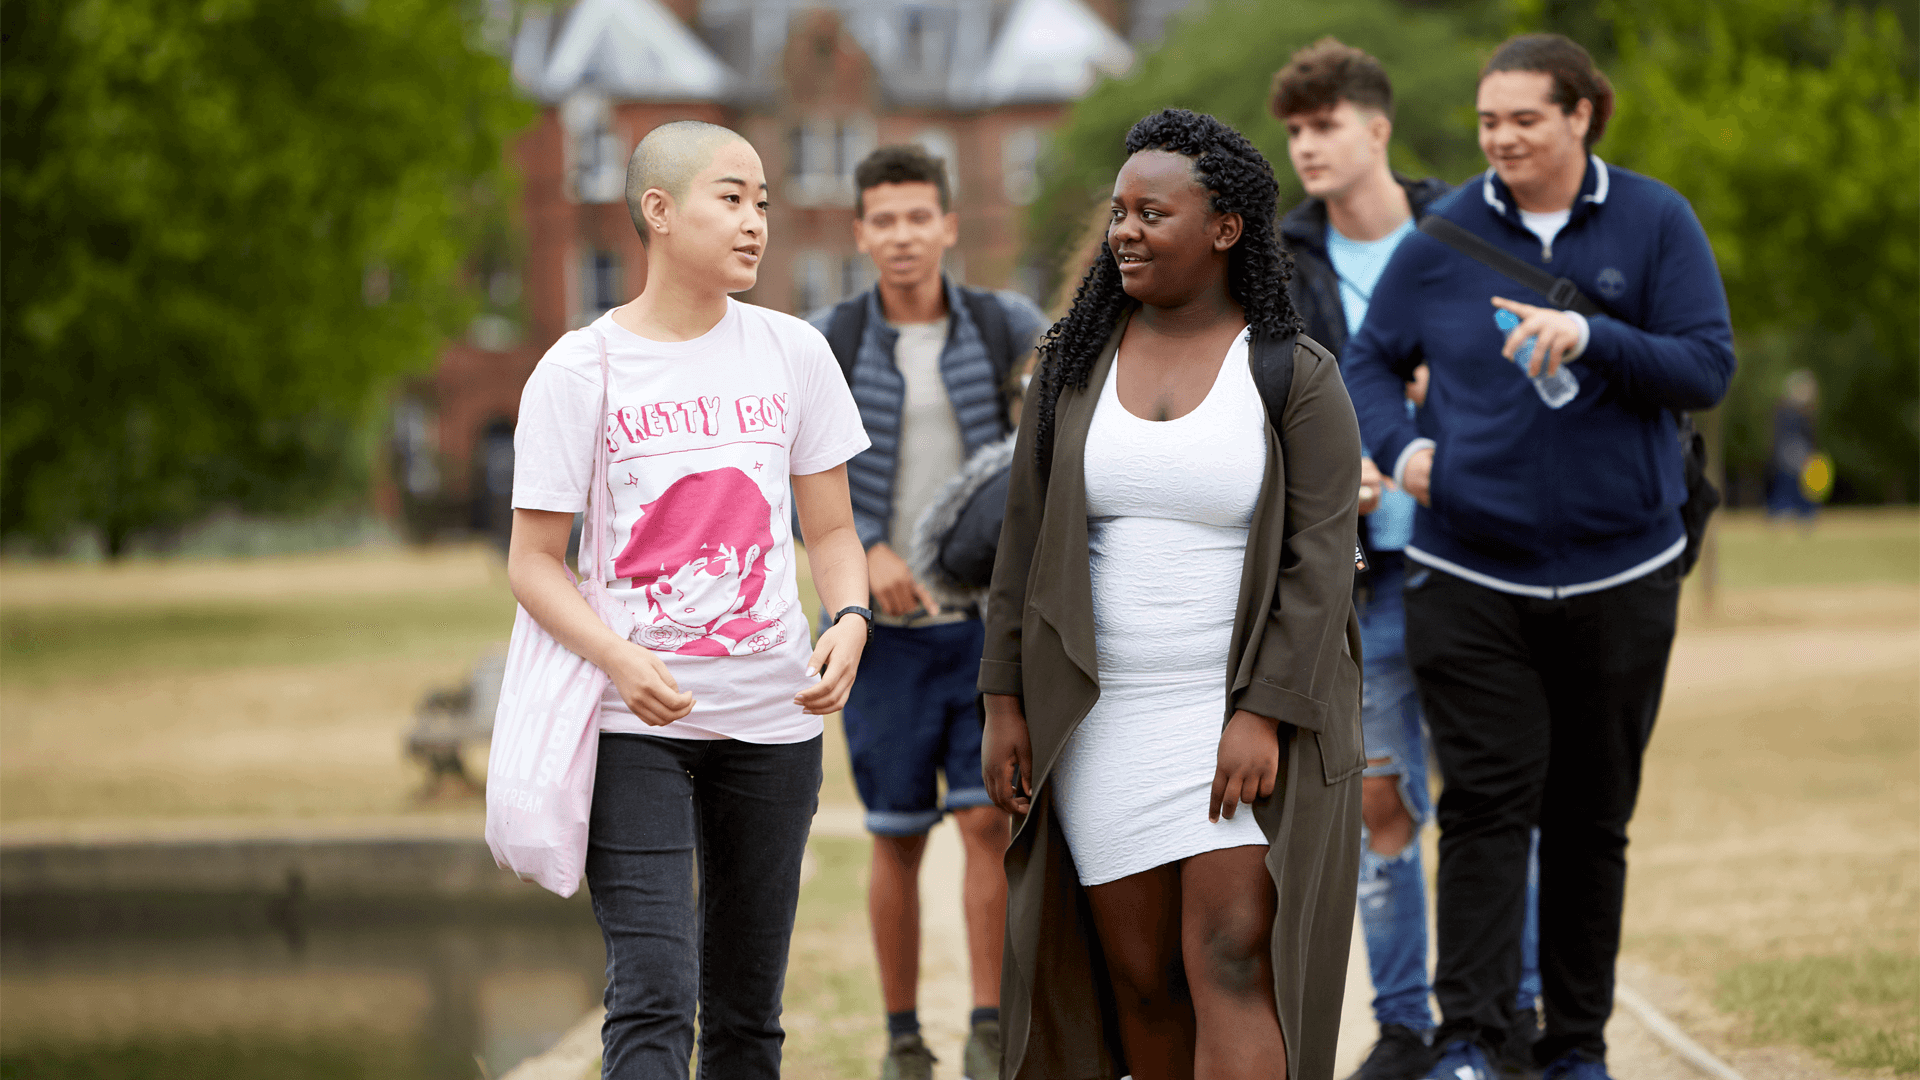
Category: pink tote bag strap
[593,542]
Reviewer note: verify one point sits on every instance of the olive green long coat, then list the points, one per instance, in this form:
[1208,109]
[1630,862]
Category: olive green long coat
[1295,657]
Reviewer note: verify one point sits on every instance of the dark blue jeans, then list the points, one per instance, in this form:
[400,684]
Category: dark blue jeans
[737,814]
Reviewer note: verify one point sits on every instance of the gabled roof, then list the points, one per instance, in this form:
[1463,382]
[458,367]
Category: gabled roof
[1050,50]
[938,53]
[633,50]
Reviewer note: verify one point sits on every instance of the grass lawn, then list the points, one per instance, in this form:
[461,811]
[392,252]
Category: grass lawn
[242,688]
[1846,547]
[1776,853]
[1775,863]
[271,687]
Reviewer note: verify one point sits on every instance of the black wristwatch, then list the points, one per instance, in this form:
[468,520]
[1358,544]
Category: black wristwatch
[855,609]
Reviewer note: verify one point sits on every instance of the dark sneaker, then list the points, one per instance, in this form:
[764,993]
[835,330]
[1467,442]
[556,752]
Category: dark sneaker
[1576,1065]
[982,1059]
[1515,1060]
[1461,1060]
[907,1059]
[1401,1054]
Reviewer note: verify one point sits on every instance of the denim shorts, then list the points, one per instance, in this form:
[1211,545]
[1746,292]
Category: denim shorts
[914,712]
[1390,720]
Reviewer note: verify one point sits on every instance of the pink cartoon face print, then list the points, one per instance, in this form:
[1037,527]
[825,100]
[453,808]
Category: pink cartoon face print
[703,590]
[698,556]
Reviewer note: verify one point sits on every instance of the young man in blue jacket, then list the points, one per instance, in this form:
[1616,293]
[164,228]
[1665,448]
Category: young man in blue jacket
[1541,604]
[929,361]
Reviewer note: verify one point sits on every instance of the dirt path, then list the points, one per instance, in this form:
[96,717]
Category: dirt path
[946,989]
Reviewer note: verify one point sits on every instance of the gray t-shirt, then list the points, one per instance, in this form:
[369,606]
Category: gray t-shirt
[931,448]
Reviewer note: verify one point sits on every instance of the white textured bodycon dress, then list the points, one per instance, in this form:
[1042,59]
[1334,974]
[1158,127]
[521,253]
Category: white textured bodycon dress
[1168,505]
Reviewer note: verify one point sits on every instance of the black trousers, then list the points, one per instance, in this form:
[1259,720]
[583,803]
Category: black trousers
[744,809]
[1540,711]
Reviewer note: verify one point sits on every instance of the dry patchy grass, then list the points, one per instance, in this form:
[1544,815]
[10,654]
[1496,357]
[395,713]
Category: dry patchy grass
[1776,851]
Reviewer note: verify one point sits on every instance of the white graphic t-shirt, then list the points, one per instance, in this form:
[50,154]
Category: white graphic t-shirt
[703,436]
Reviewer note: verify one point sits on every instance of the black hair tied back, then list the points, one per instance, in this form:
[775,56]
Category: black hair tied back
[1258,266]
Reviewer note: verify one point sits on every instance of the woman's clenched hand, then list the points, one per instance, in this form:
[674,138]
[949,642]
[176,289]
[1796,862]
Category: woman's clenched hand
[1006,755]
[1249,763]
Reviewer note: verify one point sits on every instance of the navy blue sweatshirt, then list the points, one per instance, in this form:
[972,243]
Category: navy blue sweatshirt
[1528,499]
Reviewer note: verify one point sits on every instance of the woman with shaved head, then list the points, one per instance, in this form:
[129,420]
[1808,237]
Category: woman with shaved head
[712,414]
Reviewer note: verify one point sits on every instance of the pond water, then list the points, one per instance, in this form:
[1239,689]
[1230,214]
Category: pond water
[185,987]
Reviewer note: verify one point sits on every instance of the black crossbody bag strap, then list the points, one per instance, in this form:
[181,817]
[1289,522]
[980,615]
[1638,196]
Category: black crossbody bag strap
[1560,292]
[1702,496]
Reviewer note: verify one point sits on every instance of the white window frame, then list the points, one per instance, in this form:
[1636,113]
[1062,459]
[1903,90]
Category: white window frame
[1020,151]
[815,281]
[939,142]
[822,155]
[596,155]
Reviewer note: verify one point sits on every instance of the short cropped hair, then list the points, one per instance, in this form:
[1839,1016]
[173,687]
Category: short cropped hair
[1326,73]
[668,158]
[908,164]
[1574,76]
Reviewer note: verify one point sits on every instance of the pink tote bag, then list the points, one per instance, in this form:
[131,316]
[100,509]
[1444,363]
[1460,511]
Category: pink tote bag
[546,732]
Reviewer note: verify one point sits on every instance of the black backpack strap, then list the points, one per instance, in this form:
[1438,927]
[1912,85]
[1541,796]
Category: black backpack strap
[1273,376]
[845,329]
[991,320]
[1560,292]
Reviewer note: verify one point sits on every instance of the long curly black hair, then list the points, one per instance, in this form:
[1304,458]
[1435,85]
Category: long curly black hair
[1258,266]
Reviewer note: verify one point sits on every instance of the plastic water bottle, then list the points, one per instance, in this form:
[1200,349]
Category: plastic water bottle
[1556,389]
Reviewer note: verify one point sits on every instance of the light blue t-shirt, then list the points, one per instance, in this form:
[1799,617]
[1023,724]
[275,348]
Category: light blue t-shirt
[1358,263]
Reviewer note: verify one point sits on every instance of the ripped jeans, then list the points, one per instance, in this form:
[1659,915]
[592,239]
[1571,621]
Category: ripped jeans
[1393,888]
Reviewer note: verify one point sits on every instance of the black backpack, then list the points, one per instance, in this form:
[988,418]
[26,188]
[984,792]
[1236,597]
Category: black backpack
[848,325]
[1702,497]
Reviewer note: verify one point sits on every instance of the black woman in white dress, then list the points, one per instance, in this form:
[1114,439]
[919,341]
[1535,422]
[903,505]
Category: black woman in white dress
[1172,708]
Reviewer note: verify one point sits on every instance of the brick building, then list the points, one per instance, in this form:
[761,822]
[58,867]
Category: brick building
[815,85]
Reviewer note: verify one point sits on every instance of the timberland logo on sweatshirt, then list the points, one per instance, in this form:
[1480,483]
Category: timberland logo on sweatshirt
[1611,283]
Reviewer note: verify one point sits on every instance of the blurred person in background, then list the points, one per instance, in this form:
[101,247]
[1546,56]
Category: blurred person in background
[709,751]
[1546,553]
[1170,669]
[1337,104]
[1796,453]
[929,362]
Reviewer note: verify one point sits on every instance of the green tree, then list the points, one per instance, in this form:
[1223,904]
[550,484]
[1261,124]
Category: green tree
[228,227]
[1221,60]
[1792,127]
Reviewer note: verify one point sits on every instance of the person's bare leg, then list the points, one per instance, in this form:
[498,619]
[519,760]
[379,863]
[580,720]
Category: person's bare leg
[1227,903]
[984,833]
[1389,826]
[893,906]
[1138,920]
